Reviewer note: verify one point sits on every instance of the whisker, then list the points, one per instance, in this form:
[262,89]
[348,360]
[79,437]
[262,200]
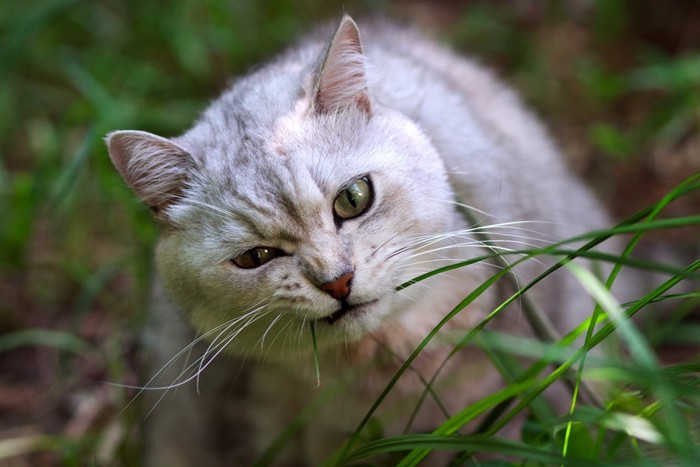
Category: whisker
[473,245]
[189,201]
[274,339]
[222,346]
[185,351]
[390,239]
[262,339]
[463,205]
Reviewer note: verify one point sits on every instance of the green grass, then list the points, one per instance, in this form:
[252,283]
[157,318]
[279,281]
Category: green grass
[75,245]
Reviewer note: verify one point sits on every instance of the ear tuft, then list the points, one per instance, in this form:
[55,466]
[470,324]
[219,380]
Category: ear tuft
[154,167]
[342,81]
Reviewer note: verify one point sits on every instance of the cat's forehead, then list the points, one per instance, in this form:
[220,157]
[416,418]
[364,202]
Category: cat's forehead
[283,157]
[271,194]
[283,142]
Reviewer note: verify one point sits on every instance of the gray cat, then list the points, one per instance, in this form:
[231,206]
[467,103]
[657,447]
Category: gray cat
[300,200]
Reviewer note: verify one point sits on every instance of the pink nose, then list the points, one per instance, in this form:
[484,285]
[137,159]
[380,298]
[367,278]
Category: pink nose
[338,288]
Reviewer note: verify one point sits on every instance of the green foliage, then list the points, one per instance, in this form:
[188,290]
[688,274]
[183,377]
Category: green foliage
[650,411]
[676,83]
[671,82]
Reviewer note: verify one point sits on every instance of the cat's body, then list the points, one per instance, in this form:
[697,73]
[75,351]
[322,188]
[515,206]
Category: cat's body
[400,127]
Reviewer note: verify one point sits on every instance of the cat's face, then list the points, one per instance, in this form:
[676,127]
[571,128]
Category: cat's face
[274,231]
[309,218]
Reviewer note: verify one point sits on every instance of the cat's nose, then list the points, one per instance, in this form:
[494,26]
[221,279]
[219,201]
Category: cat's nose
[338,288]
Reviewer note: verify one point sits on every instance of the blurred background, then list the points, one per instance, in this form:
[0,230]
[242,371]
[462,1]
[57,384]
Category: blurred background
[618,83]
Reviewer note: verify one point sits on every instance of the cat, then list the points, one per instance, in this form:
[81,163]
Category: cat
[299,202]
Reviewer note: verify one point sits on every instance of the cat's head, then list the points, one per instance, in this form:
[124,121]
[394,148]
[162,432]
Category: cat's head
[296,198]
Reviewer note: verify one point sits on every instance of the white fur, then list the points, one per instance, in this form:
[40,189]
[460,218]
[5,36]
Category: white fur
[263,166]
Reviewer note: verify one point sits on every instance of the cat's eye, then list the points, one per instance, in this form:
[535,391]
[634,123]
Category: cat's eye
[354,199]
[256,257]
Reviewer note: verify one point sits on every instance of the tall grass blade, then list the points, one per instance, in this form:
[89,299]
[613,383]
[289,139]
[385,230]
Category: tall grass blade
[527,453]
[45,337]
[317,368]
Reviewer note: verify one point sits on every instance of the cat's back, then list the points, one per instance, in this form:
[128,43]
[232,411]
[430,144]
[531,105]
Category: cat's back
[497,153]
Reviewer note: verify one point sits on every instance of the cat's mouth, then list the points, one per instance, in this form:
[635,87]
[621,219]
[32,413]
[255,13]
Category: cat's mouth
[346,309]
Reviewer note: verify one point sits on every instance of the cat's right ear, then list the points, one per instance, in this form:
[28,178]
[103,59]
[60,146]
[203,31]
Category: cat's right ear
[154,167]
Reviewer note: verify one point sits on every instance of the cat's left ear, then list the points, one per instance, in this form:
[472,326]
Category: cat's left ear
[341,81]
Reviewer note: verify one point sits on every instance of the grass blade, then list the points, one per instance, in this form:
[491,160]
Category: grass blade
[45,337]
[312,325]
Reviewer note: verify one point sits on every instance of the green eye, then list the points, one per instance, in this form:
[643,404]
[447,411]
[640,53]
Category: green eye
[256,257]
[354,199]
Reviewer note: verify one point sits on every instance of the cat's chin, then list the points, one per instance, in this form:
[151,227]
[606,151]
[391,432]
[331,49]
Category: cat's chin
[347,311]
[352,322]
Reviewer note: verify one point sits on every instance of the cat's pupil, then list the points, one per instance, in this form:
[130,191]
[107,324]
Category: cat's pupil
[353,200]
